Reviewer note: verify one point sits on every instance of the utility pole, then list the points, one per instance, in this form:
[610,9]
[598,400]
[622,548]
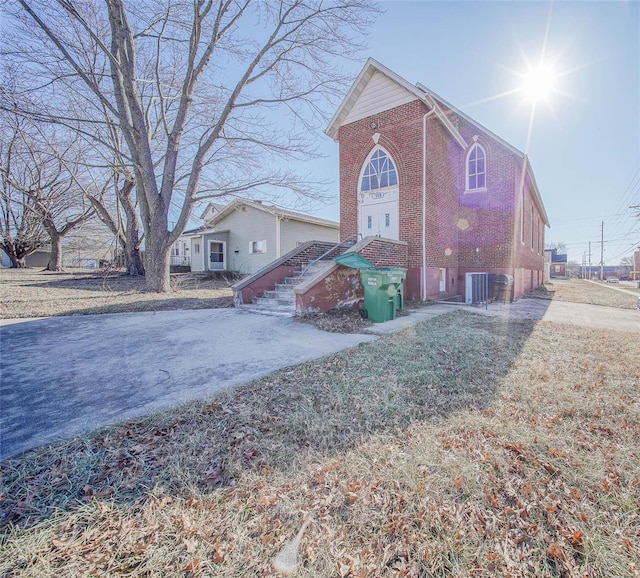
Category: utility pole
[602,252]
[637,208]
[589,259]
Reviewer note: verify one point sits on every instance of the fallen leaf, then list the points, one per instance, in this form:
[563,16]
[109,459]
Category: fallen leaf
[576,539]
[250,454]
[191,566]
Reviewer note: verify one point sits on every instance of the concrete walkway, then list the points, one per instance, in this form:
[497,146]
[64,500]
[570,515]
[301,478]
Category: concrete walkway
[63,376]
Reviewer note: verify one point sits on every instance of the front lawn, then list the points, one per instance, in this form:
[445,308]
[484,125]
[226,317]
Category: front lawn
[465,446]
[579,291]
[35,293]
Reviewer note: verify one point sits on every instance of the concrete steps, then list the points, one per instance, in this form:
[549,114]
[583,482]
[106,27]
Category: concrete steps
[281,300]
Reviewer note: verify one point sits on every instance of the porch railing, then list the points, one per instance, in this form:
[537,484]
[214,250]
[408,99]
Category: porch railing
[180,260]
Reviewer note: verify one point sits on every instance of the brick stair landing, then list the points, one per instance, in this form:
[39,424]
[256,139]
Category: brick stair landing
[281,300]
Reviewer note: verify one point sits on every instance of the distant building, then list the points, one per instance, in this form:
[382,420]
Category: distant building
[557,264]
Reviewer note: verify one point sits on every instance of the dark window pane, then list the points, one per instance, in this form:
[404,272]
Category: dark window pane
[384,180]
[472,182]
[481,181]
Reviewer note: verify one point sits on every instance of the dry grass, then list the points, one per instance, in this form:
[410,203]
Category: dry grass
[579,291]
[35,293]
[468,446]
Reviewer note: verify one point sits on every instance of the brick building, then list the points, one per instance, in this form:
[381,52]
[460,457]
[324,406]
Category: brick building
[415,169]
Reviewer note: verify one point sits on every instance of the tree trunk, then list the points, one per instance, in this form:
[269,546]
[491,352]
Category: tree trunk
[133,260]
[55,256]
[156,263]
[17,261]
[132,256]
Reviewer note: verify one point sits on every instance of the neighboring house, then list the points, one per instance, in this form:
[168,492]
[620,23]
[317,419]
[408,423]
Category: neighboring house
[416,169]
[37,259]
[557,264]
[245,236]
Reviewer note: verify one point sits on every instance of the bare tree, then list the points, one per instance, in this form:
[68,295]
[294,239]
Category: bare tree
[209,95]
[20,226]
[43,172]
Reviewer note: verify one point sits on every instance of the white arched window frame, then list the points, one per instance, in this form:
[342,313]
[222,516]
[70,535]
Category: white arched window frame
[378,172]
[476,169]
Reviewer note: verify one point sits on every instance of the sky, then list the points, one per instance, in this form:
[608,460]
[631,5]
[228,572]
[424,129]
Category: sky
[583,142]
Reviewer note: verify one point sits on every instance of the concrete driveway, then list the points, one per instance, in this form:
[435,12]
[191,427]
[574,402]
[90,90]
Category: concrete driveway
[66,375]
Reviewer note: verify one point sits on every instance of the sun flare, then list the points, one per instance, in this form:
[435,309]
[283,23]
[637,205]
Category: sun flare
[538,83]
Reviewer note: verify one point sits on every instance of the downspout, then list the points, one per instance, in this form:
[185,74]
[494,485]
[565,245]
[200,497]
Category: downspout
[424,202]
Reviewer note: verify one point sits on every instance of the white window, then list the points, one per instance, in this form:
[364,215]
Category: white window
[196,247]
[379,173]
[532,230]
[258,247]
[369,222]
[476,169]
[443,280]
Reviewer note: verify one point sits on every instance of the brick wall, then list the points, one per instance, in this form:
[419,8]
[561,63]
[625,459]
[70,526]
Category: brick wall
[464,231]
[385,253]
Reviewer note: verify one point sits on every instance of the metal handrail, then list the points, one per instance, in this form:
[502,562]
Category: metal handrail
[345,240]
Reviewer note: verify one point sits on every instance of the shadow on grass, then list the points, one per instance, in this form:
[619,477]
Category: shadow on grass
[422,374]
[170,304]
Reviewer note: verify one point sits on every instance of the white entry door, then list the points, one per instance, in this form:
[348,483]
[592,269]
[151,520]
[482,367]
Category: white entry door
[217,256]
[380,219]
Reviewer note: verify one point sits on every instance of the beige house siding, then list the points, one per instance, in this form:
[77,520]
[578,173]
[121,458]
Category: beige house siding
[246,224]
[380,94]
[292,233]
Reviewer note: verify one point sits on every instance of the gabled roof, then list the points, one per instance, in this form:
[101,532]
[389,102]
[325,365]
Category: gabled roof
[370,67]
[212,206]
[436,103]
[273,210]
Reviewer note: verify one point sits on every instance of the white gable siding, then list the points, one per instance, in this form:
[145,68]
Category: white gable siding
[294,232]
[380,94]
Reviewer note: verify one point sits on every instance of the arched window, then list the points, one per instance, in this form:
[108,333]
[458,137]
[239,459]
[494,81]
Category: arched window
[379,173]
[476,168]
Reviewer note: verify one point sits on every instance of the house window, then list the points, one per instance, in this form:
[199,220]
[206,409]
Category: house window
[196,247]
[379,173]
[557,268]
[258,247]
[369,222]
[387,220]
[532,229]
[476,169]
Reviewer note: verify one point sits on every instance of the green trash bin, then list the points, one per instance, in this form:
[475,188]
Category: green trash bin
[402,272]
[383,288]
[379,294]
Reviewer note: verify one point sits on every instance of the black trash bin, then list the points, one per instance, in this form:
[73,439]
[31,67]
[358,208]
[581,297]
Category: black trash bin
[502,287]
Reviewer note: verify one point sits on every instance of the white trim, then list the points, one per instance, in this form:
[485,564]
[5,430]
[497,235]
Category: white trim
[224,254]
[359,85]
[392,192]
[366,164]
[469,119]
[277,237]
[264,247]
[466,169]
